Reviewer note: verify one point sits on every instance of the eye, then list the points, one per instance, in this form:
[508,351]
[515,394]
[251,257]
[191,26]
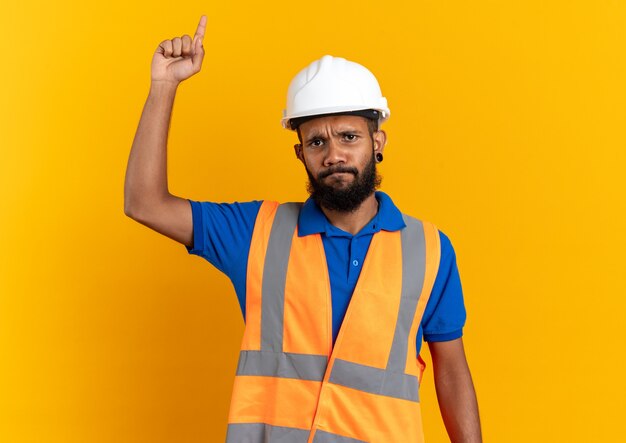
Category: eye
[316,142]
[350,137]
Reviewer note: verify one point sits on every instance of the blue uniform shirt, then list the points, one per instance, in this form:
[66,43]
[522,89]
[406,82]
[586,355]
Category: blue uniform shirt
[222,233]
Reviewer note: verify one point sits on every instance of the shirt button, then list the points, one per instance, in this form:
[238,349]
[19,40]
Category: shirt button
[355,263]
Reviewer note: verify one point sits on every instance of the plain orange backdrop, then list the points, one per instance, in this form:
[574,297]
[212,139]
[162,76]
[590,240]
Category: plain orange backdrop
[507,130]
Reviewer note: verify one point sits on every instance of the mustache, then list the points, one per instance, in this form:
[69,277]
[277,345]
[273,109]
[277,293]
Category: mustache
[335,169]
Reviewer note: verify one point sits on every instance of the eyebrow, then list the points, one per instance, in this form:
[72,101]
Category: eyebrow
[342,131]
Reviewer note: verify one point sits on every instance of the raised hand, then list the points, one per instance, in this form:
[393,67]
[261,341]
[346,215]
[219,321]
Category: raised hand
[178,59]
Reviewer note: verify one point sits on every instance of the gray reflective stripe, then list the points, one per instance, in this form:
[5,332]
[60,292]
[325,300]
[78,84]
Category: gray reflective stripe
[282,364]
[392,381]
[374,380]
[413,268]
[264,433]
[275,275]
[327,437]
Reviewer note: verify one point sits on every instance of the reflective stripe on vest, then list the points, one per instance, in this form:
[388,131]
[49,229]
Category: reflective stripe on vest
[286,364]
[392,381]
[260,432]
[270,360]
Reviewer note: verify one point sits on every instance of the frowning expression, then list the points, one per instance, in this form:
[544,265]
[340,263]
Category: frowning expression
[338,155]
[335,149]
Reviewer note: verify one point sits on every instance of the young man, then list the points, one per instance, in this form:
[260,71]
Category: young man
[337,293]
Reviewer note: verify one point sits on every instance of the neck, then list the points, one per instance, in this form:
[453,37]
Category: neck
[353,222]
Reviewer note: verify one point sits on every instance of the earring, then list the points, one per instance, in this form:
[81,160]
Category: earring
[379,157]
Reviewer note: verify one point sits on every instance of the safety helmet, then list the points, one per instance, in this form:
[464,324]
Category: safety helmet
[333,85]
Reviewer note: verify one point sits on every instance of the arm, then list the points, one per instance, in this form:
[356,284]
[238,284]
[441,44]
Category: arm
[455,391]
[146,195]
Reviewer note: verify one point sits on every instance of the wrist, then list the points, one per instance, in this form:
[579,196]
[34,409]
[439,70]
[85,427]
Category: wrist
[163,87]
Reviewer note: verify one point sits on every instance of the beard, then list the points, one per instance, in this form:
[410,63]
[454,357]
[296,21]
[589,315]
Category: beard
[349,197]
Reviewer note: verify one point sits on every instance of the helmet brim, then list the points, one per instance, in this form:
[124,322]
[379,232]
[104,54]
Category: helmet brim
[371,114]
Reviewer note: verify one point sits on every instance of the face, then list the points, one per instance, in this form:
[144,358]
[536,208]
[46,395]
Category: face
[338,154]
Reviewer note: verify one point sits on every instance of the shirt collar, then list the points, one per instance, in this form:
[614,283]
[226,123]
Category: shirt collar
[313,221]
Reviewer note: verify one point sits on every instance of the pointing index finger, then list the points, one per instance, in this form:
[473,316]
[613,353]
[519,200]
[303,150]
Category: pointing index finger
[201,28]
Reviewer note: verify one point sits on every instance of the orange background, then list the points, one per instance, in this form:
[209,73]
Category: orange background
[506,130]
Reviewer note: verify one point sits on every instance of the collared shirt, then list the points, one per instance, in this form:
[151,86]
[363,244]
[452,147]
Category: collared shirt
[223,232]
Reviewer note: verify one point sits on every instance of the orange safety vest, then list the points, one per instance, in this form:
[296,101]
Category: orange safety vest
[292,385]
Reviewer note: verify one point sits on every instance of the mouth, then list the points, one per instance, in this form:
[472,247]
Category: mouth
[337,178]
[337,174]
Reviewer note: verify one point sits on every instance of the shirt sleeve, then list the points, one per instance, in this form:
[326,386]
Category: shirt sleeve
[222,233]
[444,316]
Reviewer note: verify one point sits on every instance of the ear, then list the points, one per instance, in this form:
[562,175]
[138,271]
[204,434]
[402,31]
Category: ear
[380,140]
[297,148]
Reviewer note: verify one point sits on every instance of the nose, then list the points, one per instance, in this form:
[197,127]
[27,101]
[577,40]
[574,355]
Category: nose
[334,153]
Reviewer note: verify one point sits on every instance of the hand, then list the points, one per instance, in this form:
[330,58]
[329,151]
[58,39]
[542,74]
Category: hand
[178,59]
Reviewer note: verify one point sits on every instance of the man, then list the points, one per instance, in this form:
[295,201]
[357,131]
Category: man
[337,292]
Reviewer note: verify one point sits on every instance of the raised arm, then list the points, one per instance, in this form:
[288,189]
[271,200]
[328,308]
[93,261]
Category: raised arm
[146,195]
[455,391]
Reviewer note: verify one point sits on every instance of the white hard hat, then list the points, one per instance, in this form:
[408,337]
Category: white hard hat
[333,85]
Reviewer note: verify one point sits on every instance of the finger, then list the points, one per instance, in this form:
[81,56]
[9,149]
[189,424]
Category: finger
[177,43]
[161,47]
[186,51]
[167,48]
[201,28]
[198,56]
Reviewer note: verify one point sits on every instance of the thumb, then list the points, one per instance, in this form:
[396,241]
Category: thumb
[198,55]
